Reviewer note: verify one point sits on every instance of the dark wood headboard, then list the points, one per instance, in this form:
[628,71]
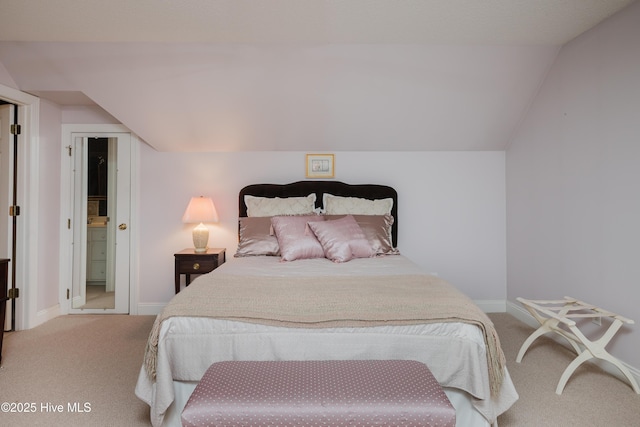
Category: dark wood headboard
[337,188]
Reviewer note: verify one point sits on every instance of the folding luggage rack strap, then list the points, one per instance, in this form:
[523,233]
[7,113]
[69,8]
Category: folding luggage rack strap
[552,316]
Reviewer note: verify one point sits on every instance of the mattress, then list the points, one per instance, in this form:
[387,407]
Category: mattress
[454,352]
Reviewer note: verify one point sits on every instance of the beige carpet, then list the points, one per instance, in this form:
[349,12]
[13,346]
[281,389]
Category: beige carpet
[76,359]
[96,358]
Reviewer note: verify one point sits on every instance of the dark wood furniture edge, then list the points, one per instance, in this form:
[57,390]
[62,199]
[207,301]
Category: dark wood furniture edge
[218,253]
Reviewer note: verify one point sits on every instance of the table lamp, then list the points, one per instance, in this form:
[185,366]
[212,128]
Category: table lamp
[199,211]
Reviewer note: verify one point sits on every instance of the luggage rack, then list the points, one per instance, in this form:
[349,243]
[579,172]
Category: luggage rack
[550,315]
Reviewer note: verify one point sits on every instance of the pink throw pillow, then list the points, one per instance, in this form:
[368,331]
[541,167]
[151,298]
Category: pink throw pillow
[342,239]
[295,239]
[255,237]
[377,230]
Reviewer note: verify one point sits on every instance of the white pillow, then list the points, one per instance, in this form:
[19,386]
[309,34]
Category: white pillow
[274,206]
[338,205]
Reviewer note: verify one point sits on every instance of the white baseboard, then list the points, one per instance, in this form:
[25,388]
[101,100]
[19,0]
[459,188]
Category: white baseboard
[520,313]
[149,309]
[45,315]
[492,306]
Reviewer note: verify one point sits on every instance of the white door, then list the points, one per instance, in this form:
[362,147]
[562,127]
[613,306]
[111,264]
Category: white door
[101,192]
[6,169]
[6,193]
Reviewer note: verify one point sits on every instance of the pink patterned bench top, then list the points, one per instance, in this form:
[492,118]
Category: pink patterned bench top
[336,393]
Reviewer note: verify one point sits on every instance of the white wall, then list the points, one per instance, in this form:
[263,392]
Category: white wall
[86,114]
[451,208]
[48,175]
[5,77]
[573,180]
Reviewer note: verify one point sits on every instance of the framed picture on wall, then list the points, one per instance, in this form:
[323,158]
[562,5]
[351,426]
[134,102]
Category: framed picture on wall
[320,166]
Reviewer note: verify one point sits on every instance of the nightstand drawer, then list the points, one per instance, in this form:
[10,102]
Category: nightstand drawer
[197,265]
[187,262]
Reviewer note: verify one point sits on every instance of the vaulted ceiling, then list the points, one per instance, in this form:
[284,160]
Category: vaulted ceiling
[228,75]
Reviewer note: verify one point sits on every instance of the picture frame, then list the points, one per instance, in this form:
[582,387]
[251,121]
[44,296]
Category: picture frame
[320,166]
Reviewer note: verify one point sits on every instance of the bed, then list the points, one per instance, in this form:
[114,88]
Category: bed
[356,297]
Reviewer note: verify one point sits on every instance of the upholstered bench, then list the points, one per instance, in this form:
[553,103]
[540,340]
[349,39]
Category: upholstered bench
[354,393]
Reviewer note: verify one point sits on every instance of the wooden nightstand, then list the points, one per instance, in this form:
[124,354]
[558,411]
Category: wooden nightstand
[188,262]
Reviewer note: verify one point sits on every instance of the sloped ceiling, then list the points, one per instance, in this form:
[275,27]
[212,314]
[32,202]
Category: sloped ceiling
[211,75]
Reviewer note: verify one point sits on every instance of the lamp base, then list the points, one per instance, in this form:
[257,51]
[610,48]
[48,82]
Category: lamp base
[200,238]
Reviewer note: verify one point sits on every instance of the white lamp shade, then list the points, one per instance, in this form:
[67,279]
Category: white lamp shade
[200,209]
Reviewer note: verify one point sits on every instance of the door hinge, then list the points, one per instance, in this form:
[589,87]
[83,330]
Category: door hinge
[13,293]
[16,129]
[69,223]
[14,210]
[68,147]
[67,293]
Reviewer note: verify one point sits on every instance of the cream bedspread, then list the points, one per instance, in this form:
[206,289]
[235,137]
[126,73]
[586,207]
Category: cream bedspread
[316,302]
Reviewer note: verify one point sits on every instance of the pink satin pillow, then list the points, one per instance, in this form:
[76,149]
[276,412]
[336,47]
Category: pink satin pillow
[342,239]
[256,237]
[377,230]
[295,239]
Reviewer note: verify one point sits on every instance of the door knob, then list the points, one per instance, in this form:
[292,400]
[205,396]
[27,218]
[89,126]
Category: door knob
[122,226]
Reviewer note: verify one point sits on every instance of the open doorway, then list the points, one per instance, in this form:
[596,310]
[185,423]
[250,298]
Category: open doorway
[117,218]
[99,212]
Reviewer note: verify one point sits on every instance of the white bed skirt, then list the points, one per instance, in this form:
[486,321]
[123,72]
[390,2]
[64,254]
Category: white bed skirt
[184,338]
